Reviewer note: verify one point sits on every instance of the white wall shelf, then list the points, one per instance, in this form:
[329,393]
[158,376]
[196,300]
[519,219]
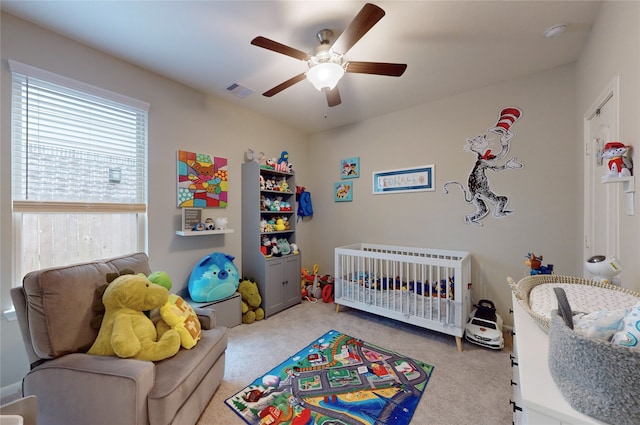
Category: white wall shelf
[203,232]
[628,186]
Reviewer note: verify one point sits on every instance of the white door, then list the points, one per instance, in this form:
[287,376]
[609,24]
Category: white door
[602,201]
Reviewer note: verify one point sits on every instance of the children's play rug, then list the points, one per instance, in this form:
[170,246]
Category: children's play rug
[337,379]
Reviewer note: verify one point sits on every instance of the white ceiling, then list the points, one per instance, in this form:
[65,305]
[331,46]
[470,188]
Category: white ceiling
[450,47]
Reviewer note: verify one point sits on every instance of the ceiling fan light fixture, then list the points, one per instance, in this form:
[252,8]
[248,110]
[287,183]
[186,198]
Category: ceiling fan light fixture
[325,76]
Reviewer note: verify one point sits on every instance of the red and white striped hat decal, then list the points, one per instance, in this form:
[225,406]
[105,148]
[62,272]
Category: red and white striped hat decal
[507,117]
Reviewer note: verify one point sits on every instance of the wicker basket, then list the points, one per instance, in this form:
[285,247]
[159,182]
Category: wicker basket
[596,378]
[523,288]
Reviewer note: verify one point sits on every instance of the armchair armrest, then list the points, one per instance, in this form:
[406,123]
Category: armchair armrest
[207,316]
[96,384]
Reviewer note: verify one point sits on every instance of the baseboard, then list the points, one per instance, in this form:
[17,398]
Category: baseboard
[10,392]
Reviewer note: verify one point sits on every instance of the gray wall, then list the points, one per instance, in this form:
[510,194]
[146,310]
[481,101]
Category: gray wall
[180,118]
[614,50]
[544,194]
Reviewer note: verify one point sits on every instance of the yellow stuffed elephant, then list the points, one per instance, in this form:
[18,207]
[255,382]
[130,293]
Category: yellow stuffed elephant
[125,330]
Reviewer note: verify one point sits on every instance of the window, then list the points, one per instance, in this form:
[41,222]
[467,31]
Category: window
[79,171]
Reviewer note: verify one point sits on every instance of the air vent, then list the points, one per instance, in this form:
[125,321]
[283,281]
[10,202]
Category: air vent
[240,91]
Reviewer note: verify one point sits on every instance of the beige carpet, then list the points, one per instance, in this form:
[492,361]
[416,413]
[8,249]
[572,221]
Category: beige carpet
[471,387]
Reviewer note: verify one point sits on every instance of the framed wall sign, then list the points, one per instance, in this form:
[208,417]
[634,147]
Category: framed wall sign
[191,217]
[404,180]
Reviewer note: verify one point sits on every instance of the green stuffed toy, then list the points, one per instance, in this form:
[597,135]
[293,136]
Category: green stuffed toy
[251,301]
[125,330]
[161,278]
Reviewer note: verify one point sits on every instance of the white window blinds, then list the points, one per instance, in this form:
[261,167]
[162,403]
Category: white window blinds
[75,147]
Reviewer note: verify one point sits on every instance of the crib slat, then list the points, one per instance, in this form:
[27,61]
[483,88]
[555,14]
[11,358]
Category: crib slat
[421,286]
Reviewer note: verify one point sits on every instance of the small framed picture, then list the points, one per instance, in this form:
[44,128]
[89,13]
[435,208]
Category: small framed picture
[343,192]
[191,217]
[350,168]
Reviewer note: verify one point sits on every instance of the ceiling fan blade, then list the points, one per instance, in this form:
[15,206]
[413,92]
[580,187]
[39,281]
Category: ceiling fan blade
[265,43]
[291,81]
[368,16]
[333,97]
[378,68]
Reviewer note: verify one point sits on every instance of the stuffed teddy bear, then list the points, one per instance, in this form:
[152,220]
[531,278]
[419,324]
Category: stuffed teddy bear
[125,330]
[251,300]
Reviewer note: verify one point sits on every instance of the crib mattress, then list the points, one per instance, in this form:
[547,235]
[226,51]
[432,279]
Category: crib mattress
[405,302]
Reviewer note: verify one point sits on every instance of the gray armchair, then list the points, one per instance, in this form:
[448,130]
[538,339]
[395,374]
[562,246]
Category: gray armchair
[54,313]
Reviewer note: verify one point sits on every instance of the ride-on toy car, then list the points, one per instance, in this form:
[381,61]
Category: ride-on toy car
[484,326]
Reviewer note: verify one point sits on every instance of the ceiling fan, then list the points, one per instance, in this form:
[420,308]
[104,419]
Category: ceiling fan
[326,65]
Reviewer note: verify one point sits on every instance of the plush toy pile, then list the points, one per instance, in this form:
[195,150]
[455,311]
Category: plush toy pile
[315,286]
[127,331]
[251,300]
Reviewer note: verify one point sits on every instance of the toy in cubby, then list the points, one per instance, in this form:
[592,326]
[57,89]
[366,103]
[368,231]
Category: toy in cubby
[265,203]
[276,164]
[265,248]
[269,164]
[271,223]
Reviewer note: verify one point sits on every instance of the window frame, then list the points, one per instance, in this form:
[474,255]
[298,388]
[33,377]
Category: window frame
[21,206]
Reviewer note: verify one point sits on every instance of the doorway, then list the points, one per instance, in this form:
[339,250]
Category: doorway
[601,201]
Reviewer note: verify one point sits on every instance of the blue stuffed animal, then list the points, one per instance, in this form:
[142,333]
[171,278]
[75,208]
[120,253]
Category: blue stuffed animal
[214,278]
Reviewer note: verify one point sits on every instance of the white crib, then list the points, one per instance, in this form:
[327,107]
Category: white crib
[429,288]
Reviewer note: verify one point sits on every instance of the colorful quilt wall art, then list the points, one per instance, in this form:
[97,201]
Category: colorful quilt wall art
[203,180]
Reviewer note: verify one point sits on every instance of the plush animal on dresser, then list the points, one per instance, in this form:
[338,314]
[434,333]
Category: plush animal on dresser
[214,277]
[125,330]
[617,156]
[283,246]
[255,156]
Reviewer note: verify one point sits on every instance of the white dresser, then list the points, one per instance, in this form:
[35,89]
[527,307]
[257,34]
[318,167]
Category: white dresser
[535,392]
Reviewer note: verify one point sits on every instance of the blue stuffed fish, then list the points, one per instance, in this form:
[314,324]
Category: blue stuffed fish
[214,278]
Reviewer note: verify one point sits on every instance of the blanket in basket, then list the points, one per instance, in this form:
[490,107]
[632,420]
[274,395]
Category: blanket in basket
[597,378]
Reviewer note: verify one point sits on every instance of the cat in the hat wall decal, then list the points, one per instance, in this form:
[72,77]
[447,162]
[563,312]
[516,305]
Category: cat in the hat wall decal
[478,191]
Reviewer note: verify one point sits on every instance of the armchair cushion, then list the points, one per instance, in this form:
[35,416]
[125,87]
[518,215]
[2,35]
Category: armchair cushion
[60,300]
[93,386]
